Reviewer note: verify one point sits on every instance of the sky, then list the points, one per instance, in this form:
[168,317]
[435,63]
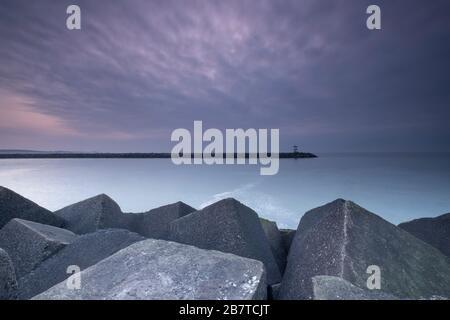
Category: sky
[137,70]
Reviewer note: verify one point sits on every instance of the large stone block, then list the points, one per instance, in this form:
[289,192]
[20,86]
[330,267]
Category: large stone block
[276,242]
[155,223]
[158,269]
[29,243]
[8,283]
[434,231]
[334,288]
[83,252]
[13,205]
[342,239]
[99,212]
[227,226]
[287,235]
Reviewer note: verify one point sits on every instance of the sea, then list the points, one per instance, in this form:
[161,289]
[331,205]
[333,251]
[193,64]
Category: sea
[396,186]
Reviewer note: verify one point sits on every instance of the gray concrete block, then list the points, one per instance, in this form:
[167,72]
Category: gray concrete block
[13,205]
[29,243]
[227,226]
[83,252]
[342,239]
[158,269]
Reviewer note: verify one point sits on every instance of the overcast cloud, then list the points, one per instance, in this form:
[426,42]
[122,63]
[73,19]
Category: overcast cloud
[139,69]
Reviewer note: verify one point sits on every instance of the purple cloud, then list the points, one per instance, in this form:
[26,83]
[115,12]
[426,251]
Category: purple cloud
[139,69]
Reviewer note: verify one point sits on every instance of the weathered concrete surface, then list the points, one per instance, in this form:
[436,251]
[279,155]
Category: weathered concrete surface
[84,252]
[335,288]
[8,283]
[275,241]
[99,212]
[342,239]
[273,290]
[434,231]
[29,243]
[159,269]
[287,235]
[227,226]
[155,223]
[13,205]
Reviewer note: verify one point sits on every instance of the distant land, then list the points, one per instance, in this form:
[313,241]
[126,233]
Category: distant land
[31,154]
[20,151]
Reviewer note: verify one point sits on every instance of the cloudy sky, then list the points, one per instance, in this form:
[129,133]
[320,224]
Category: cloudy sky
[139,69]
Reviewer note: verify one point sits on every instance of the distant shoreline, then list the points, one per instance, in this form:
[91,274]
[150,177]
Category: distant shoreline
[282,155]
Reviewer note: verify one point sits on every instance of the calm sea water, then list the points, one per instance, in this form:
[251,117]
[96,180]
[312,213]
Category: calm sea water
[397,187]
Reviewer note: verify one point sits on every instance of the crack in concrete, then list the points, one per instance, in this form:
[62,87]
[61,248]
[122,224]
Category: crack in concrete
[345,240]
